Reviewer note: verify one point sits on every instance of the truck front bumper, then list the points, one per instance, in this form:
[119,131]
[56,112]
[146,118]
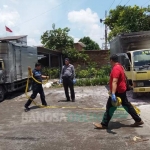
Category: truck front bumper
[141,89]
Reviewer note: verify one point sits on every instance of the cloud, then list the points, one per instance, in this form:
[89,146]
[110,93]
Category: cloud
[5,6]
[9,16]
[76,40]
[33,42]
[26,18]
[87,22]
[14,1]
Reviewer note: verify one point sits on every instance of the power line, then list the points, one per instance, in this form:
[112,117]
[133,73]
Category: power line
[120,2]
[146,3]
[44,12]
[111,5]
[127,2]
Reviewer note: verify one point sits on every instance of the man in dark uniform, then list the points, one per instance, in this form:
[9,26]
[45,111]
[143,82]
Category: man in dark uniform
[68,79]
[37,87]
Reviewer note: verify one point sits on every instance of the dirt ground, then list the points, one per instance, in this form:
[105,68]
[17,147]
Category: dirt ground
[70,127]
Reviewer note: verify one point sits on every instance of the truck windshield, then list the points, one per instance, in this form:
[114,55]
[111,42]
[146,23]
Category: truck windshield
[141,57]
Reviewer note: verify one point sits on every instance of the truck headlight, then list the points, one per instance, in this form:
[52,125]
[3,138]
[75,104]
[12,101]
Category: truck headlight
[140,84]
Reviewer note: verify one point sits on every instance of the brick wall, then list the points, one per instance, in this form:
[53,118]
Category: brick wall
[101,57]
[78,46]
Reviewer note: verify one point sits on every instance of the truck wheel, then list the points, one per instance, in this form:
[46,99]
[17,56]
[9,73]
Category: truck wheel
[134,95]
[2,94]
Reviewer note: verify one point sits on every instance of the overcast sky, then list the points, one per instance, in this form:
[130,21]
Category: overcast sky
[33,17]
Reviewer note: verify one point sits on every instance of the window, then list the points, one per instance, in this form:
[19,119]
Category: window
[141,58]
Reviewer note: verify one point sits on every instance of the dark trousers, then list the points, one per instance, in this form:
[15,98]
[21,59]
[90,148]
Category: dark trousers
[68,83]
[37,89]
[110,109]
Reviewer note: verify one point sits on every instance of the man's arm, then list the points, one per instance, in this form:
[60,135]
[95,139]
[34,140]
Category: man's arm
[114,85]
[45,77]
[115,76]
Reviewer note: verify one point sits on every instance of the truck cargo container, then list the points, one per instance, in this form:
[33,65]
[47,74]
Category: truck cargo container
[14,61]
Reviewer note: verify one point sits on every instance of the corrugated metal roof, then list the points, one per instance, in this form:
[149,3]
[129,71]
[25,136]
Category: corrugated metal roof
[12,37]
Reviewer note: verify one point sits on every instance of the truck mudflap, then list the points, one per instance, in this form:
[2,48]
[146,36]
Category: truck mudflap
[141,89]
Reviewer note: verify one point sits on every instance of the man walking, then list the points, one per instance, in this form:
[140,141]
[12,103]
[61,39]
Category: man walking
[67,77]
[117,85]
[37,87]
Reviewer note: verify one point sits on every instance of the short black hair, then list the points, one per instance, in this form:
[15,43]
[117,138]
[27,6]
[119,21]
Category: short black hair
[114,58]
[37,64]
[66,59]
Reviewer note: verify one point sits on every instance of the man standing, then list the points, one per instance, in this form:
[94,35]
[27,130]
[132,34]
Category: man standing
[68,78]
[37,87]
[118,89]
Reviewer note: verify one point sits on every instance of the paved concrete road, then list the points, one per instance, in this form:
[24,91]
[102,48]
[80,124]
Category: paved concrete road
[70,128]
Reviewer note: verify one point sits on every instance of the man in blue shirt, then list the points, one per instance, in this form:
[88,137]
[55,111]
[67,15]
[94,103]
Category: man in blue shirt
[37,87]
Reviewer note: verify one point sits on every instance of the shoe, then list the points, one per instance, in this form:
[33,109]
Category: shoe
[99,126]
[73,100]
[68,100]
[44,104]
[26,109]
[136,124]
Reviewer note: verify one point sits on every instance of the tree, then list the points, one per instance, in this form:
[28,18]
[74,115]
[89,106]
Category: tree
[126,19]
[57,39]
[90,44]
[75,55]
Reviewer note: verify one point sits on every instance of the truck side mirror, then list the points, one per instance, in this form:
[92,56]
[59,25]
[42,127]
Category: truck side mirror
[127,62]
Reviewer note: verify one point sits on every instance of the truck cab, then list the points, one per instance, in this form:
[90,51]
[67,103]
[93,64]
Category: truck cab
[133,50]
[137,66]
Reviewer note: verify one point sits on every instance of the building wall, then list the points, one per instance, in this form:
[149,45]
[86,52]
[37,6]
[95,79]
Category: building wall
[78,46]
[101,57]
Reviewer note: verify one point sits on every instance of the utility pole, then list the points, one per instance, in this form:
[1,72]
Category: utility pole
[105,30]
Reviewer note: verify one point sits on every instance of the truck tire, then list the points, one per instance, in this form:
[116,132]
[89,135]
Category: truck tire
[2,94]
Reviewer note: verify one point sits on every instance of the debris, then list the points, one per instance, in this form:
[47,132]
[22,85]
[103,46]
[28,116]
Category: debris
[138,139]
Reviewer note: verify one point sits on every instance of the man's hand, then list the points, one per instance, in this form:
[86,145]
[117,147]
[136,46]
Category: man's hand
[74,81]
[60,81]
[113,97]
[47,77]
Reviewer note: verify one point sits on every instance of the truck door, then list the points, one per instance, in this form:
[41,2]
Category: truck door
[18,67]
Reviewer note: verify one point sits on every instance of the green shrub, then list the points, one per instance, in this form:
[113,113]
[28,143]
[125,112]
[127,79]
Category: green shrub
[92,71]
[52,72]
[92,81]
[101,73]
[107,69]
[83,74]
